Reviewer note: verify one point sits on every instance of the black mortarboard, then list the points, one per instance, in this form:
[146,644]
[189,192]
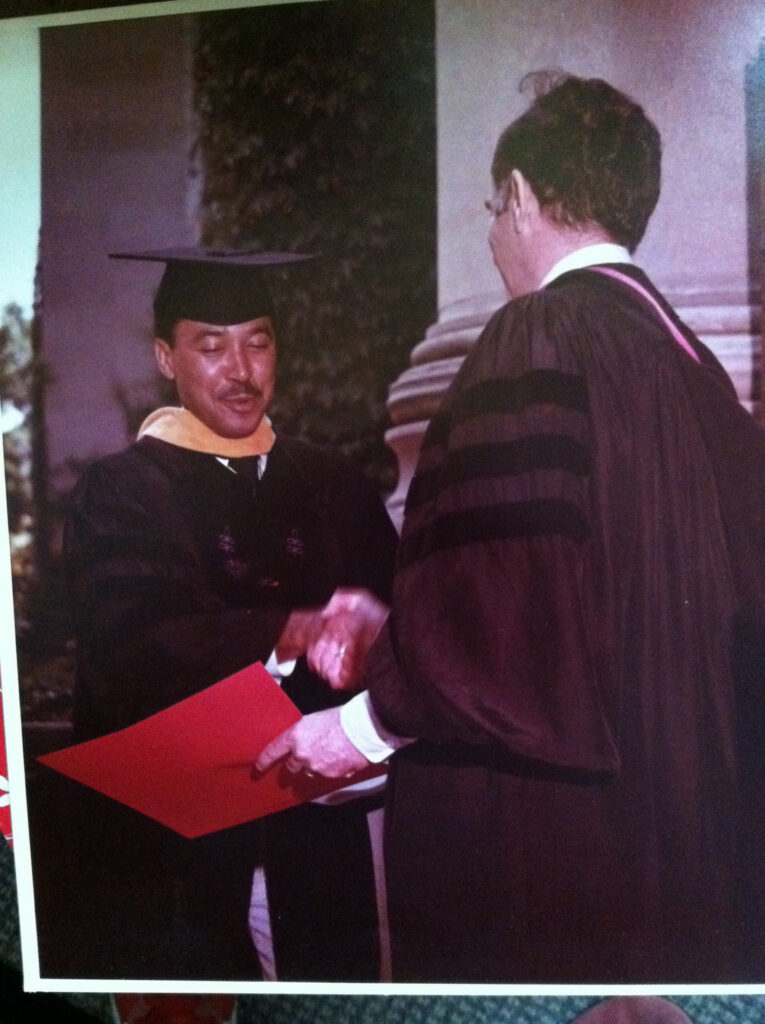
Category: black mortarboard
[215,286]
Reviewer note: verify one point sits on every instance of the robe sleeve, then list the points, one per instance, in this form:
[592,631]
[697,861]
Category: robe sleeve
[358,535]
[150,629]
[492,638]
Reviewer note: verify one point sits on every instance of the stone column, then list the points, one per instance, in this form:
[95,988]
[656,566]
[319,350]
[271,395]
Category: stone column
[116,175]
[690,65]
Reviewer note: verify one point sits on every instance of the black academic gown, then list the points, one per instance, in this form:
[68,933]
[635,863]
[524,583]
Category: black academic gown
[182,573]
[577,637]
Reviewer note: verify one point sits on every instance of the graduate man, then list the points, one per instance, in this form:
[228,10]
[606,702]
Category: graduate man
[576,634]
[209,544]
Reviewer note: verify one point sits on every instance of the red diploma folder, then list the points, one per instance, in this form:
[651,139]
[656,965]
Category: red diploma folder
[190,766]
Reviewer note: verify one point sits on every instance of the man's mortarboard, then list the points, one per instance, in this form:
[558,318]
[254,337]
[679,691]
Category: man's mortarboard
[222,287]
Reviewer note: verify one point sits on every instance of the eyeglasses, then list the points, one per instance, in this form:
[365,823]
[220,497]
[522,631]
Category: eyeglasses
[499,202]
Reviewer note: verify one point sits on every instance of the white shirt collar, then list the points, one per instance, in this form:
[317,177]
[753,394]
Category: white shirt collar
[224,461]
[588,256]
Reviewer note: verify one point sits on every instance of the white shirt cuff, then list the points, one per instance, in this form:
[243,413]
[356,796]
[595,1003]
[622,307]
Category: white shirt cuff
[366,732]
[280,669]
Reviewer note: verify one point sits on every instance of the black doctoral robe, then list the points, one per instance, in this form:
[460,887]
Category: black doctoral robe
[576,637]
[183,572]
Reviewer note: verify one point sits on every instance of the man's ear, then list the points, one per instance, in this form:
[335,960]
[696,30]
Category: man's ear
[163,353]
[522,200]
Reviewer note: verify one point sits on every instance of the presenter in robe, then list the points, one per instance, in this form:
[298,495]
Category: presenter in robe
[574,658]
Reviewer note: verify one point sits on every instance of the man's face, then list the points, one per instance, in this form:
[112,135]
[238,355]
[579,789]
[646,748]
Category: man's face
[224,375]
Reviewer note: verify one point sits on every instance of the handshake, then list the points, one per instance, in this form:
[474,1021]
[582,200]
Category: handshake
[337,638]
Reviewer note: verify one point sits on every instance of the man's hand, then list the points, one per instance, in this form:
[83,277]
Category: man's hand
[316,745]
[302,629]
[351,622]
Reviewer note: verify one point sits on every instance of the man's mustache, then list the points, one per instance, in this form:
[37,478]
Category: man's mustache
[241,391]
